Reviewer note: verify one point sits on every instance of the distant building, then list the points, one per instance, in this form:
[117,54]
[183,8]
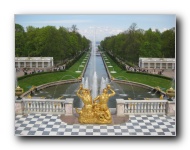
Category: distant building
[157,63]
[33,62]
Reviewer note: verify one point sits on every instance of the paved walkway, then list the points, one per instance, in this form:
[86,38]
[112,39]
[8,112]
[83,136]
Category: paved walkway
[51,125]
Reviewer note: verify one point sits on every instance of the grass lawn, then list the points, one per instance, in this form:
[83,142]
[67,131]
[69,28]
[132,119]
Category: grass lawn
[39,79]
[141,78]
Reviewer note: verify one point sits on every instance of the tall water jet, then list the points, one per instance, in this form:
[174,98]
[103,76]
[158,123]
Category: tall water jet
[86,86]
[82,81]
[102,85]
[94,86]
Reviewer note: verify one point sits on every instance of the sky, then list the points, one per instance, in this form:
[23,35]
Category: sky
[99,26]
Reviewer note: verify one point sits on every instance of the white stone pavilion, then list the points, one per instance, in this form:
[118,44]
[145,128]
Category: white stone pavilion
[157,63]
[33,62]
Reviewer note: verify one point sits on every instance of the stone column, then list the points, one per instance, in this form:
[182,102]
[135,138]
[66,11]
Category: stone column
[154,65]
[69,107]
[30,64]
[173,65]
[170,108]
[160,65]
[52,63]
[43,64]
[166,65]
[18,64]
[24,64]
[36,64]
[19,107]
[148,65]
[48,64]
[142,64]
[120,108]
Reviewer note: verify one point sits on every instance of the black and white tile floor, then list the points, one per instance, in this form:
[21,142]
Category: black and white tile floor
[51,125]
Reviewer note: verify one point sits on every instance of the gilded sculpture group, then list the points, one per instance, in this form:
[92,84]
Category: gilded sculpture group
[94,112]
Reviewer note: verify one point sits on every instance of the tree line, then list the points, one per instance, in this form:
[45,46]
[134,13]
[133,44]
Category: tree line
[134,43]
[49,41]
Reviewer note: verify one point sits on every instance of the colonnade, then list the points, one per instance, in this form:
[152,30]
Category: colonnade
[33,62]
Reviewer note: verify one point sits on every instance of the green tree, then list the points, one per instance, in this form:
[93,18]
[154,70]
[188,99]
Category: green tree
[20,39]
[151,47]
[168,43]
[49,41]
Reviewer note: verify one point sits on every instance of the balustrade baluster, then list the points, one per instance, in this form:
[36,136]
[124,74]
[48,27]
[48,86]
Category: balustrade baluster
[37,106]
[31,106]
[44,107]
[40,107]
[49,106]
[145,108]
[59,107]
[26,106]
[53,107]
[132,108]
[128,108]
[151,107]
[138,107]
[42,104]
[161,108]
[34,106]
[158,108]
[135,105]
[164,108]
[142,108]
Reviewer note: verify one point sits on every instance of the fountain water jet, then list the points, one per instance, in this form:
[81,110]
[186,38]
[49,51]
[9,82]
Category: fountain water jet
[94,86]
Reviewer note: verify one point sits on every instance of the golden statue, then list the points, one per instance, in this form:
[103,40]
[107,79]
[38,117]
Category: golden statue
[86,115]
[161,96]
[93,112]
[103,114]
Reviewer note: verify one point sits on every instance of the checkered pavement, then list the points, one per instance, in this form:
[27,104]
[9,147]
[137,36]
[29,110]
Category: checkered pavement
[51,125]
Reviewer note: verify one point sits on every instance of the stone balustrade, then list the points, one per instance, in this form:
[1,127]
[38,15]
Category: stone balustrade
[123,107]
[133,107]
[44,106]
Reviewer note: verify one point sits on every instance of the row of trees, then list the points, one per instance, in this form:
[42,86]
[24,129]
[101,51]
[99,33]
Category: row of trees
[49,42]
[135,43]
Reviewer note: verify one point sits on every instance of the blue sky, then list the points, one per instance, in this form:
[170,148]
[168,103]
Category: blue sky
[102,25]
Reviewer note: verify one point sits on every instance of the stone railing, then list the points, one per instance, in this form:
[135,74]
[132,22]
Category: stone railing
[158,107]
[44,106]
[123,107]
